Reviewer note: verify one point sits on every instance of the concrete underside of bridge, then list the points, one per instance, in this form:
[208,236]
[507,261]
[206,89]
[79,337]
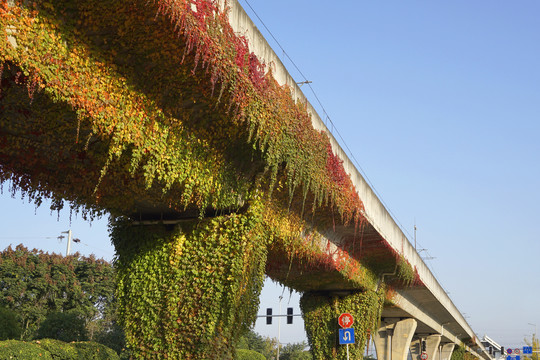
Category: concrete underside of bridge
[111,106]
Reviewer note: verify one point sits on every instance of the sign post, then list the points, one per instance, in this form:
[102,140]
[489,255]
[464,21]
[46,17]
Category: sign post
[346,335]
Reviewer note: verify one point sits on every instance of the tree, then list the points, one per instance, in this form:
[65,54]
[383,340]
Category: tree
[35,284]
[263,345]
[460,353]
[65,326]
[245,354]
[535,347]
[268,347]
[295,351]
[112,337]
[9,325]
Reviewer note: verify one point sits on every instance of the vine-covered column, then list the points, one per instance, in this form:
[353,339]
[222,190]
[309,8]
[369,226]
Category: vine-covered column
[321,312]
[187,292]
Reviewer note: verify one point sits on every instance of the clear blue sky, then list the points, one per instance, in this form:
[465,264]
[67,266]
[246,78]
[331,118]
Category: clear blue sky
[440,104]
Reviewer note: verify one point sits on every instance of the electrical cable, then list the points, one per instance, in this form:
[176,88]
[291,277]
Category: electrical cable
[342,140]
[27,237]
[364,174]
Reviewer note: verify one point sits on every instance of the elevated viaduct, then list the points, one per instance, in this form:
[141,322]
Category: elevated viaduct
[177,119]
[435,316]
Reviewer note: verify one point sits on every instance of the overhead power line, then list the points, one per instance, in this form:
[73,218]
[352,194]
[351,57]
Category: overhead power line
[334,129]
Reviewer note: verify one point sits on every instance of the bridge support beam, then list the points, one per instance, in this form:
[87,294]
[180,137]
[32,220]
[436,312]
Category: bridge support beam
[321,312]
[446,351]
[432,347]
[188,292]
[392,342]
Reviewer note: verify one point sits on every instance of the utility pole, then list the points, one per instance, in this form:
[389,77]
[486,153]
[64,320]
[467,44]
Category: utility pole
[279,327]
[68,249]
[415,235]
[534,328]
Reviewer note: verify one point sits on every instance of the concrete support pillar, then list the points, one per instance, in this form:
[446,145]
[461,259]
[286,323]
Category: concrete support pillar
[392,341]
[432,347]
[382,339]
[186,292]
[321,312]
[446,351]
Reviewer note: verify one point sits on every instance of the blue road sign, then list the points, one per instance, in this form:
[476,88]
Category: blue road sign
[527,349]
[346,336]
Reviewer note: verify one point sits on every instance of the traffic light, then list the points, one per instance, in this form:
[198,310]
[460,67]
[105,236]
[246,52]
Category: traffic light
[268,316]
[423,345]
[502,350]
[289,315]
[490,350]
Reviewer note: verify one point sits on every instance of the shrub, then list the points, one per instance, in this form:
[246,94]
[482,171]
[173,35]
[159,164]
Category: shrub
[51,349]
[59,350]
[94,351]
[20,350]
[126,355]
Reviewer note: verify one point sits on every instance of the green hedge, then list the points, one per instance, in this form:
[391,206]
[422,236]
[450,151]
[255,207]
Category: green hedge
[59,350]
[94,351]
[20,350]
[49,349]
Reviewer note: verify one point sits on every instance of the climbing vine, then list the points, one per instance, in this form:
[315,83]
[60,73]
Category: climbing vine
[134,107]
[405,272]
[321,311]
[110,65]
[189,292]
[161,104]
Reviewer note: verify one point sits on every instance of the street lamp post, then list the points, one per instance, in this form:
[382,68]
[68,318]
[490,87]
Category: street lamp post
[279,327]
[534,328]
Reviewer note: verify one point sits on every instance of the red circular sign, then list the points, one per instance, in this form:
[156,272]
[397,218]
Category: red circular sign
[345,320]
[423,356]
